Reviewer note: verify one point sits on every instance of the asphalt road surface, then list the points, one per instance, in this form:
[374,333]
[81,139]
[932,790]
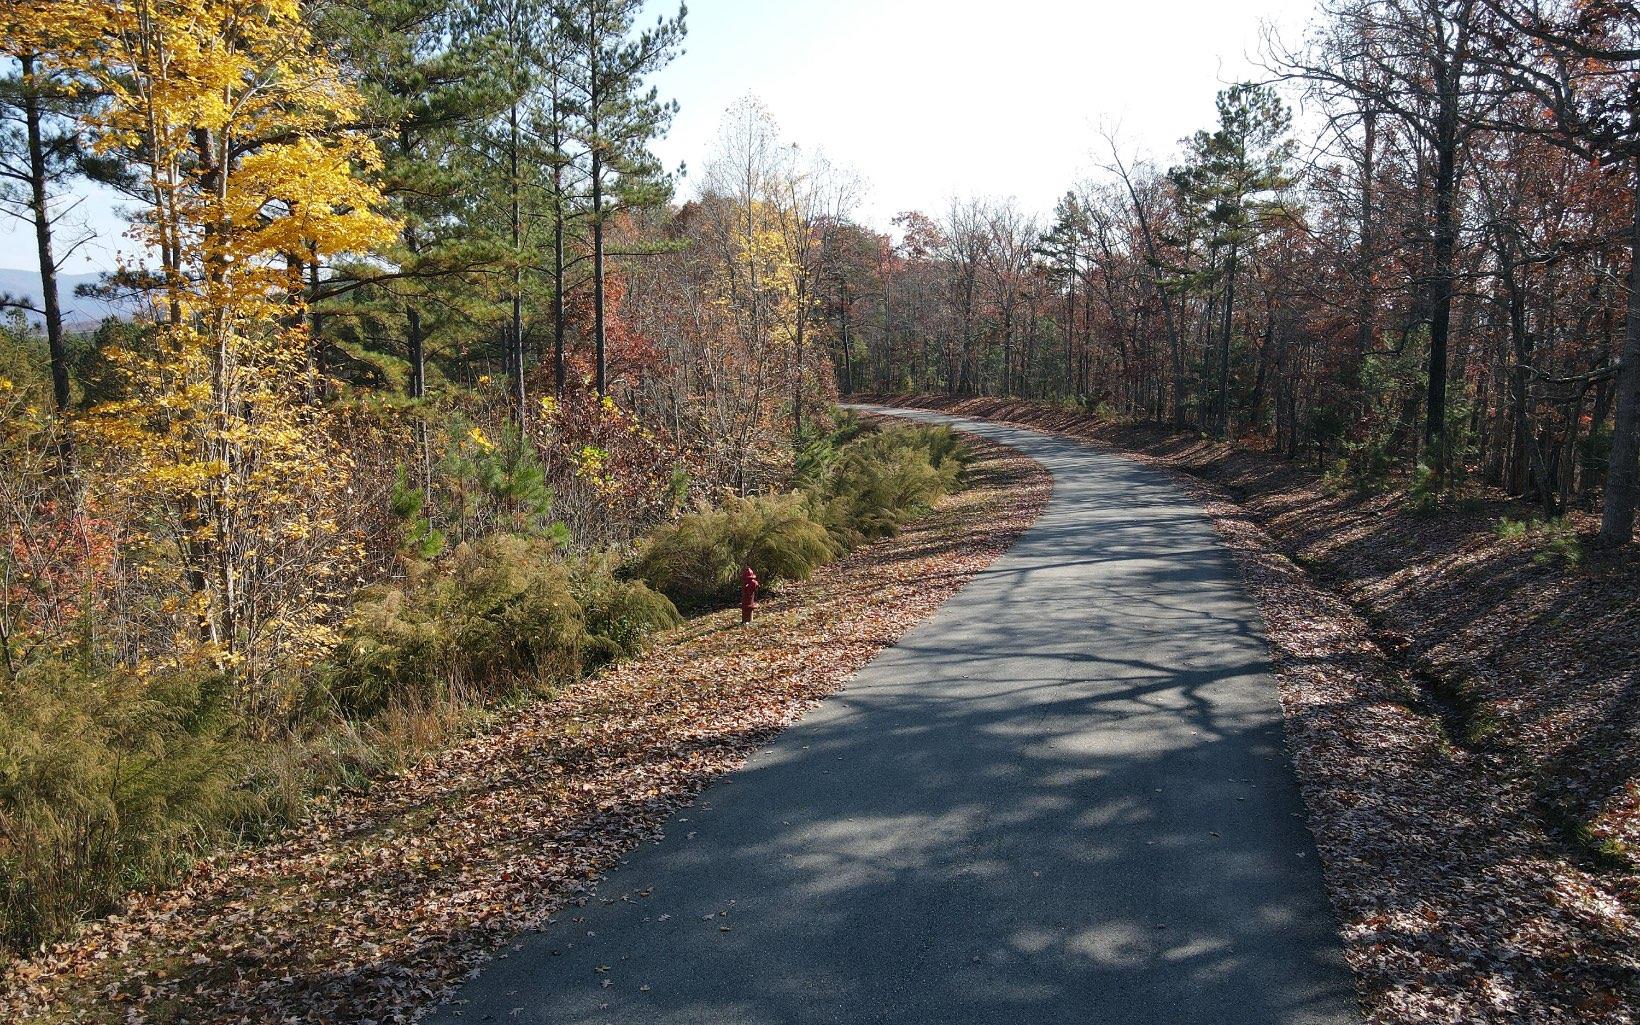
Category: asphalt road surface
[1062,798]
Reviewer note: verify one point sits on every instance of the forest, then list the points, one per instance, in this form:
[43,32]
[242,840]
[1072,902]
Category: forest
[439,389]
[1439,281]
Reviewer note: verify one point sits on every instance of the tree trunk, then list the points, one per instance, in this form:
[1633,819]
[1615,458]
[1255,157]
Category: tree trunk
[515,350]
[797,369]
[1224,346]
[592,112]
[1623,478]
[848,352]
[40,211]
[1440,289]
[1519,385]
[558,315]
[1070,329]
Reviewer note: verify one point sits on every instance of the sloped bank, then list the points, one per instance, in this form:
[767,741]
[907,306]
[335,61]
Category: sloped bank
[1460,903]
[377,903]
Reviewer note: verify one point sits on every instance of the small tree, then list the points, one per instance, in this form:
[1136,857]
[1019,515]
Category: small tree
[236,128]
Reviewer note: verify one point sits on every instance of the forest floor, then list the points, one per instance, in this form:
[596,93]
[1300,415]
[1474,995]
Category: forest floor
[381,901]
[1462,706]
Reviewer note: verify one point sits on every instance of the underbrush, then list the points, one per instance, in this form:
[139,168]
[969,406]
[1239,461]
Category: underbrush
[1555,540]
[107,782]
[859,483]
[497,615]
[115,779]
[697,561]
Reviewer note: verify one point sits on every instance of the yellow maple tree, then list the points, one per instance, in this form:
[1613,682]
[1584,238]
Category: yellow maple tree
[238,130]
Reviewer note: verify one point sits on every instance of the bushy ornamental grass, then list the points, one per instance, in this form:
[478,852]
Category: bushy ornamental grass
[111,780]
[697,561]
[108,781]
[858,483]
[880,479]
[620,614]
[496,615]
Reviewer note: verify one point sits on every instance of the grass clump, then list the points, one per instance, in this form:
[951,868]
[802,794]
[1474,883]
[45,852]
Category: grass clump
[500,614]
[697,561]
[620,615]
[858,483]
[879,480]
[1556,539]
[108,781]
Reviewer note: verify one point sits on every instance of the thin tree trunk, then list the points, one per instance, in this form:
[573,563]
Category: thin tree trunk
[1519,383]
[558,313]
[40,211]
[1224,346]
[515,350]
[595,146]
[1441,287]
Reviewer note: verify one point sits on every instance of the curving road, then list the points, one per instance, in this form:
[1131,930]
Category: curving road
[1064,798]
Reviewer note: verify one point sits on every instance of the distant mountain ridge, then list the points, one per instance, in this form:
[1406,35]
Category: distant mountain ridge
[79,313]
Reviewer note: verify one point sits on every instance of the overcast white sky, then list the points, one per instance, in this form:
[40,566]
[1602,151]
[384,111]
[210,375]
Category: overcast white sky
[926,99]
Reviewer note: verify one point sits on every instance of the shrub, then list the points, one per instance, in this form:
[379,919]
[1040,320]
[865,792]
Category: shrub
[1556,539]
[620,614]
[858,483]
[816,457]
[497,613]
[1512,530]
[1364,468]
[697,561]
[870,486]
[112,781]
[1426,489]
[108,781]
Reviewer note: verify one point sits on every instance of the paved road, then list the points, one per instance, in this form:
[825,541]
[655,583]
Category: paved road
[1063,798]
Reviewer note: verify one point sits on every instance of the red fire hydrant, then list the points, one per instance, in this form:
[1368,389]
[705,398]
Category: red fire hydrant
[748,594]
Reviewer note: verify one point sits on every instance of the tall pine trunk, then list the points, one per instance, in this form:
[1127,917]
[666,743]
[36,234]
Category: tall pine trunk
[40,212]
[558,369]
[515,333]
[593,119]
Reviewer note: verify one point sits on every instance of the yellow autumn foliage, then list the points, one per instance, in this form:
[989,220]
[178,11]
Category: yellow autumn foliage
[238,128]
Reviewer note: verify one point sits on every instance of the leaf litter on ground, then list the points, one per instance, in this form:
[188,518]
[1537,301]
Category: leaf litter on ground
[1459,901]
[379,902]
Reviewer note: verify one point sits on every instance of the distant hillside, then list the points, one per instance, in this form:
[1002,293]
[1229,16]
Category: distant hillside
[78,313]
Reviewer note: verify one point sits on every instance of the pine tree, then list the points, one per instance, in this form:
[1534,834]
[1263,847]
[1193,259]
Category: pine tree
[40,153]
[1061,247]
[1229,179]
[426,93]
[618,120]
